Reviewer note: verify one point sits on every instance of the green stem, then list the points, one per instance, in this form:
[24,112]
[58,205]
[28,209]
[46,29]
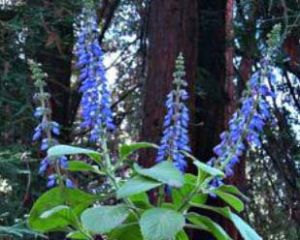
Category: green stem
[45,119]
[161,196]
[111,174]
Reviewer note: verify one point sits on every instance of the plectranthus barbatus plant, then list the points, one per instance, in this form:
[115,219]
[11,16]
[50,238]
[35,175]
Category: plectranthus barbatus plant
[96,97]
[247,123]
[175,137]
[124,206]
[47,129]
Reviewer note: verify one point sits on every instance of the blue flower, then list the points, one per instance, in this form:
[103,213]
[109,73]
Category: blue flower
[44,166]
[247,123]
[46,129]
[175,137]
[96,97]
[69,183]
[51,181]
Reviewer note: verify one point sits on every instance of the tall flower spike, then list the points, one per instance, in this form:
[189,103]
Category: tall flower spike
[96,97]
[247,123]
[46,129]
[175,129]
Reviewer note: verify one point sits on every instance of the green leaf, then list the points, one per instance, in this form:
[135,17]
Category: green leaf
[62,211]
[232,189]
[60,150]
[74,198]
[81,166]
[141,200]
[224,211]
[164,172]
[76,235]
[179,194]
[202,167]
[126,149]
[245,230]
[136,185]
[208,169]
[103,219]
[126,232]
[209,225]
[182,236]
[232,200]
[161,224]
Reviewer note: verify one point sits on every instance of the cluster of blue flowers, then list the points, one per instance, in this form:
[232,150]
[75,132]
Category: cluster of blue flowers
[248,122]
[96,97]
[46,129]
[175,134]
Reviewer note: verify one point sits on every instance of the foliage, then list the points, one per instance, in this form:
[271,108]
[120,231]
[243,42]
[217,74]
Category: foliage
[41,29]
[58,210]
[18,231]
[19,185]
[62,209]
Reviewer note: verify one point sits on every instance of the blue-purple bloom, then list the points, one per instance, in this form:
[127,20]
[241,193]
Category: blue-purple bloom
[53,180]
[247,123]
[46,129]
[96,97]
[175,134]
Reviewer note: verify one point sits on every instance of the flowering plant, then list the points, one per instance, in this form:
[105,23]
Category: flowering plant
[122,210]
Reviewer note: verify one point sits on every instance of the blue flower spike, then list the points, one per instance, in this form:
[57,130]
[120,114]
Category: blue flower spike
[96,96]
[247,123]
[46,129]
[175,137]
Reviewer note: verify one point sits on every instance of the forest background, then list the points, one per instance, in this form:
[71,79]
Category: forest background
[222,43]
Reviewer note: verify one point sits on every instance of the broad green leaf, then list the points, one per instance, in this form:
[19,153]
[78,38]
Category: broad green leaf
[202,167]
[232,189]
[74,198]
[168,205]
[81,166]
[76,235]
[182,236]
[232,200]
[161,224]
[103,219]
[60,150]
[140,200]
[62,211]
[126,149]
[55,210]
[136,185]
[164,172]
[224,211]
[129,231]
[179,194]
[209,225]
[208,169]
[245,230]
